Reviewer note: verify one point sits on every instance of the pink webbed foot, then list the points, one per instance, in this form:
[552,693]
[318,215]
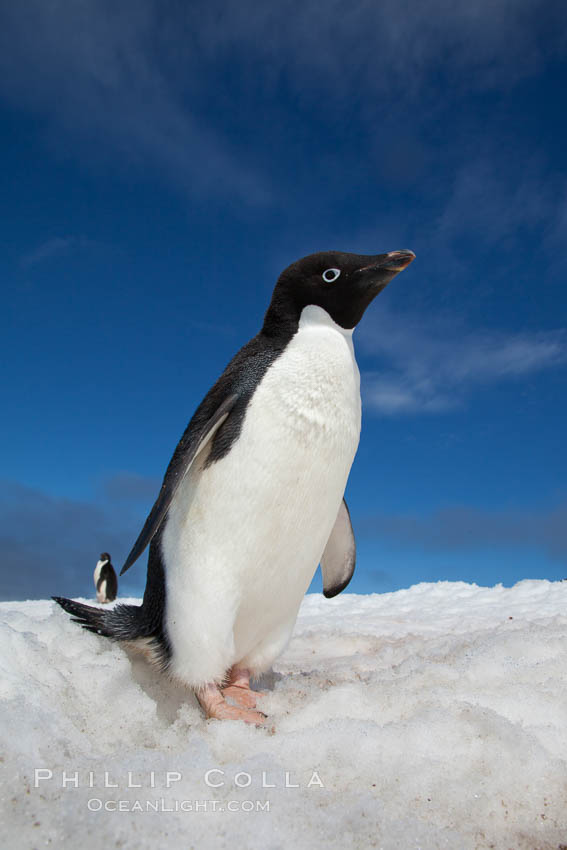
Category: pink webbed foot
[214,705]
[238,688]
[242,697]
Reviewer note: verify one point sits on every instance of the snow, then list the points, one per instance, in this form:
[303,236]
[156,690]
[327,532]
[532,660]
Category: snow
[433,717]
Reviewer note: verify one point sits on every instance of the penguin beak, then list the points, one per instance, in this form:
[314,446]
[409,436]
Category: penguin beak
[375,275]
[394,261]
[397,261]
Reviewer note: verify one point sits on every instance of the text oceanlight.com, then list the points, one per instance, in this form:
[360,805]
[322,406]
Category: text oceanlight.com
[95,804]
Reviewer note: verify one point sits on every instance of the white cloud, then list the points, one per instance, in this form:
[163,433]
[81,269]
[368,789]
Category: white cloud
[397,394]
[430,365]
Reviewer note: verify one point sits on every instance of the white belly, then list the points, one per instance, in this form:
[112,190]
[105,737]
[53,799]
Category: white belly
[244,536]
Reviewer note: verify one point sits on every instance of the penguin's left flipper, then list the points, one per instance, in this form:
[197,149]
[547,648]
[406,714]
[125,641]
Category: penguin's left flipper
[176,472]
[339,558]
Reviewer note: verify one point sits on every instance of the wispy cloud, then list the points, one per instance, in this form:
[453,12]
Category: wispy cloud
[58,246]
[488,215]
[106,77]
[146,81]
[501,201]
[430,365]
[386,44]
[490,199]
[463,527]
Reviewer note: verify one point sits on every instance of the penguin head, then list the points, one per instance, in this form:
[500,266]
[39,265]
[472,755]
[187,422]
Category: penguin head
[105,557]
[342,284]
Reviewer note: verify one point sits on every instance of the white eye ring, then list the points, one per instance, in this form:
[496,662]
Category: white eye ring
[331,275]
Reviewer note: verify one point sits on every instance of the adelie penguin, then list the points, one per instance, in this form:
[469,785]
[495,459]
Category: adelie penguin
[252,499]
[105,580]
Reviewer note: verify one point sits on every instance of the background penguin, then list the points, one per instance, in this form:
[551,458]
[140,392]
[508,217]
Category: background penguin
[252,500]
[105,580]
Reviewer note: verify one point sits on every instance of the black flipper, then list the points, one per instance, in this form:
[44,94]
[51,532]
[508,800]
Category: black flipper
[339,558]
[176,472]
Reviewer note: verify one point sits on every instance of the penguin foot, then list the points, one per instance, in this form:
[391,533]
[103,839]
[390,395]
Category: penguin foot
[214,705]
[238,688]
[231,712]
[241,696]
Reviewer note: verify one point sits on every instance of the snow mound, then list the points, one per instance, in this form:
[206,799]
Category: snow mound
[434,717]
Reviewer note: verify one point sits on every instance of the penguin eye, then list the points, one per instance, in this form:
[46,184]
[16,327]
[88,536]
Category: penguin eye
[331,275]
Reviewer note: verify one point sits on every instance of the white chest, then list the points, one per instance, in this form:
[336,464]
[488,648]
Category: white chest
[313,389]
[97,571]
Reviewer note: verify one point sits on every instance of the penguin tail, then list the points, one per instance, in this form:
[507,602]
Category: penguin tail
[122,622]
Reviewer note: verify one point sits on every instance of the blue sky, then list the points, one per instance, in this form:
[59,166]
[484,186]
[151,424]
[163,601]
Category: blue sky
[162,162]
